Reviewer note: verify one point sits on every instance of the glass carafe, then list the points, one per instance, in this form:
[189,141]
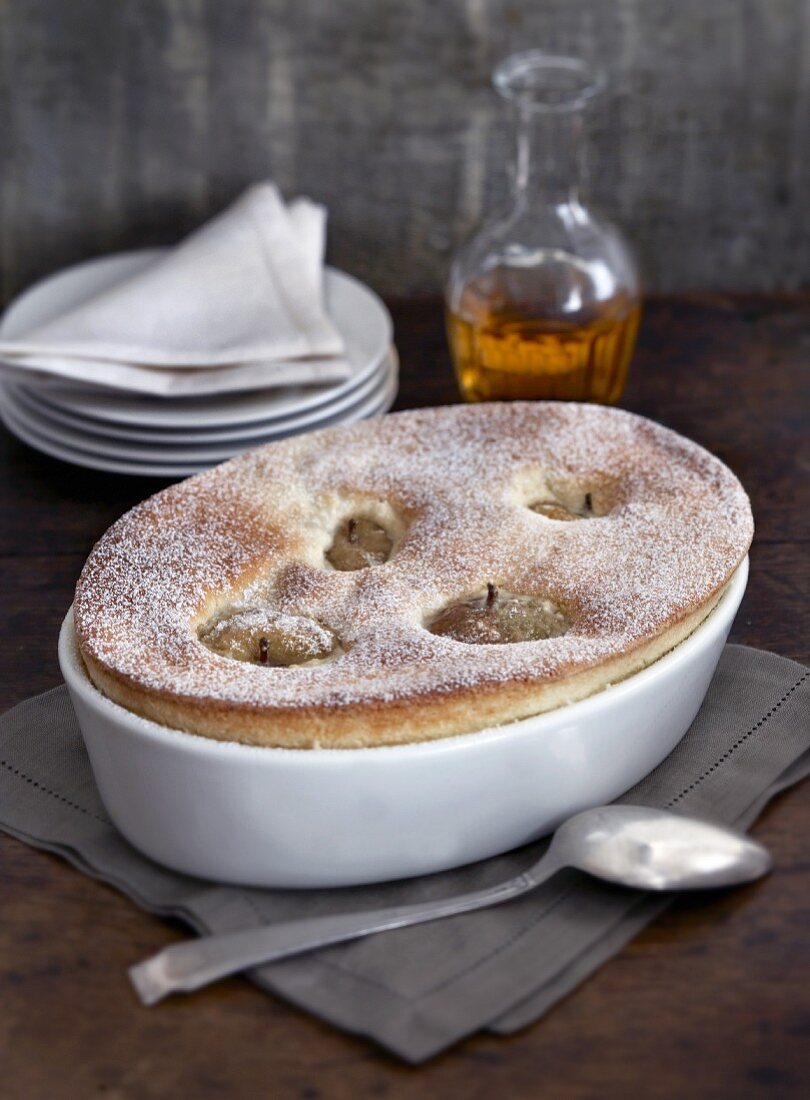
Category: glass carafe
[544,301]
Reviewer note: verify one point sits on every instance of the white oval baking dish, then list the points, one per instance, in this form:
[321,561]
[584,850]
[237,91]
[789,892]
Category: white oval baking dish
[338,817]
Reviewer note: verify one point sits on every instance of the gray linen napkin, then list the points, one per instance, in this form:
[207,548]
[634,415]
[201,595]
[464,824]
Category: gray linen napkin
[417,990]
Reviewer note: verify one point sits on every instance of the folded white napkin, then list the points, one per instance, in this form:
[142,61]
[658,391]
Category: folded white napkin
[238,304]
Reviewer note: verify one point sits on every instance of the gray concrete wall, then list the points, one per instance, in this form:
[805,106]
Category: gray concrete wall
[126,122]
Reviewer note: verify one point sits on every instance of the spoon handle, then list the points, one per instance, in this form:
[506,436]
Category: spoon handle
[195,963]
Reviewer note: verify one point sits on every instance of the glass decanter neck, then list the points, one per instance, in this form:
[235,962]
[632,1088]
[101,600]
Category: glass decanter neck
[549,95]
[549,158]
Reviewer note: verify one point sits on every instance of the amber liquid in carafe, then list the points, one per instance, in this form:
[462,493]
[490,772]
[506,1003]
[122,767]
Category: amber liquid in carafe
[505,351]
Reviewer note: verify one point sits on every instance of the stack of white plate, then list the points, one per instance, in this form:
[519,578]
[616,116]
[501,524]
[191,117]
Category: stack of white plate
[127,433]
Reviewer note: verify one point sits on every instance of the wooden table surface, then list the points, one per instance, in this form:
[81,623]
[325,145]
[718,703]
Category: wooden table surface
[710,1001]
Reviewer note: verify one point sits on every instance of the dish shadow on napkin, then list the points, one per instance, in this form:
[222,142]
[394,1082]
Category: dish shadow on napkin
[418,990]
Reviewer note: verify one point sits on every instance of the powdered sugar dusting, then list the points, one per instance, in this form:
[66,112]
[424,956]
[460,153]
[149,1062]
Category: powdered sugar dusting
[458,481]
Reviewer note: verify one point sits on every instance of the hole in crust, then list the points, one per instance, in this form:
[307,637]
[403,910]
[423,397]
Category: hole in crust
[583,508]
[262,636]
[358,543]
[496,617]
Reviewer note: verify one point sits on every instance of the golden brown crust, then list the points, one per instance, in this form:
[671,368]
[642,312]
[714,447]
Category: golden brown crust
[667,526]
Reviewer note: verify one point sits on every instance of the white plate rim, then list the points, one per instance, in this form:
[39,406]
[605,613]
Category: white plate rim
[116,449]
[131,468]
[259,430]
[87,461]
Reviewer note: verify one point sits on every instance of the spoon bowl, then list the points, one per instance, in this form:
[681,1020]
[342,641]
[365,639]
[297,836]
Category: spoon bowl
[657,850]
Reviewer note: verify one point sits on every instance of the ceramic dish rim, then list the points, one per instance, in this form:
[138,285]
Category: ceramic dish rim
[77,678]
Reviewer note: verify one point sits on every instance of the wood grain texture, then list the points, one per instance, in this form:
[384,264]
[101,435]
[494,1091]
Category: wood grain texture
[709,1002]
[128,123]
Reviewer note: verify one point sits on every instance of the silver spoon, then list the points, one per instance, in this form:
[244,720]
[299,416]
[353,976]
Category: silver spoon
[631,845]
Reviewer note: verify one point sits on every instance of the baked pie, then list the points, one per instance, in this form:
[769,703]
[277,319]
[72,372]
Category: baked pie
[426,574]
